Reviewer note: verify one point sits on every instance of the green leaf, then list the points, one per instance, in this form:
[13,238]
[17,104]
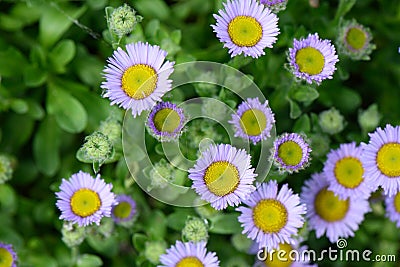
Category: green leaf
[304,93]
[62,54]
[156,225]
[302,124]
[19,106]
[295,110]
[12,62]
[56,20]
[225,224]
[34,76]
[68,111]
[8,199]
[139,241]
[45,146]
[177,219]
[153,9]
[343,8]
[88,260]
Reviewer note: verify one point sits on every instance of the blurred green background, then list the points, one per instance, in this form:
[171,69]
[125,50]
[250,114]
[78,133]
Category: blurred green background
[52,54]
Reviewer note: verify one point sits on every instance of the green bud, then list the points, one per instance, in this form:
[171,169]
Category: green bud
[161,174]
[106,227]
[112,128]
[6,169]
[214,110]
[123,20]
[195,230]
[153,250]
[331,121]
[97,148]
[72,234]
[369,119]
[207,85]
[320,144]
[241,242]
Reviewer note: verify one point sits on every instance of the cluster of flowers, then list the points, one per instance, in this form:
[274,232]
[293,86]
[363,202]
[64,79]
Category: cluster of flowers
[137,78]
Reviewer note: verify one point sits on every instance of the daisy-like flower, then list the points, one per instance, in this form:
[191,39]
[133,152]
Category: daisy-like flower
[85,200]
[189,254]
[393,208]
[166,121]
[344,171]
[8,257]
[354,40]
[275,5]
[381,159]
[246,26]
[273,216]
[253,120]
[291,152]
[312,59]
[124,210]
[138,78]
[223,176]
[327,213]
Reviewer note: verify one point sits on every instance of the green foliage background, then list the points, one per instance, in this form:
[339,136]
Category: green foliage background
[52,54]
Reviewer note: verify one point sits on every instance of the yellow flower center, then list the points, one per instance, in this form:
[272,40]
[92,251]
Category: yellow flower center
[6,258]
[310,60]
[397,202]
[166,120]
[245,31]
[349,172]
[329,207]
[122,210]
[290,153]
[139,81]
[85,202]
[283,260]
[388,159]
[221,178]
[356,38]
[270,215]
[189,262]
[253,121]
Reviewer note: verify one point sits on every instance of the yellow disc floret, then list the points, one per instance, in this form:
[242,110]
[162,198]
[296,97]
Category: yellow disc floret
[310,60]
[388,159]
[349,172]
[221,178]
[85,202]
[270,215]
[329,207]
[245,31]
[253,122]
[139,81]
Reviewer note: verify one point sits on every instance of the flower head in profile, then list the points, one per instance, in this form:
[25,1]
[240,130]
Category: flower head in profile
[393,208]
[291,152]
[312,59]
[344,171]
[125,210]
[275,5]
[138,78]
[85,200]
[354,40]
[327,213]
[381,159]
[253,120]
[166,121]
[223,176]
[8,257]
[246,27]
[189,254]
[273,216]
